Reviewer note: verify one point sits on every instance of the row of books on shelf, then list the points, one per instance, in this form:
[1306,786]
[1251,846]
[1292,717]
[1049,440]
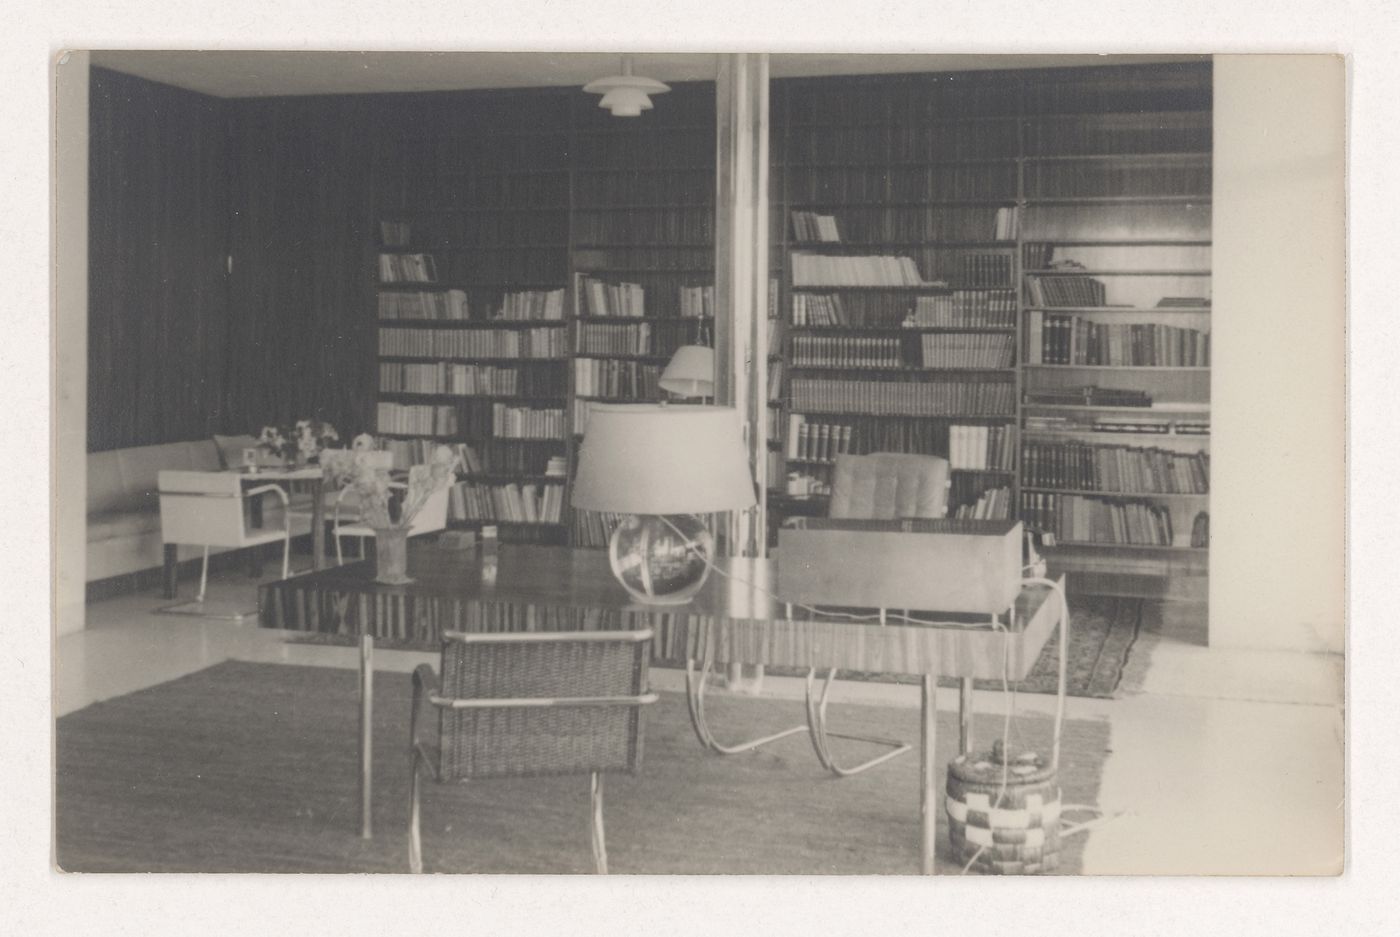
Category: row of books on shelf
[520,503]
[879,217]
[968,447]
[1094,520]
[1125,469]
[1058,338]
[532,305]
[976,308]
[416,419]
[1162,426]
[979,448]
[972,350]
[994,504]
[509,422]
[816,441]
[1007,224]
[448,305]
[1067,290]
[855,138]
[903,398]
[611,377]
[812,226]
[846,351]
[1089,395]
[482,457]
[865,270]
[985,270]
[594,528]
[442,377]
[601,298]
[672,224]
[697,302]
[472,343]
[407,268]
[656,336]
[453,305]
[394,233]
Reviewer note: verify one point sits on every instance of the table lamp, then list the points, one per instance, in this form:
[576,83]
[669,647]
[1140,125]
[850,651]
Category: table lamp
[662,464]
[691,372]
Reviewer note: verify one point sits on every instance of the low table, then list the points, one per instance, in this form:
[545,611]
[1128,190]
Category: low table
[734,619]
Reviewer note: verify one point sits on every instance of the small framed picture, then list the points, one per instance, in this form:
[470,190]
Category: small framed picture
[250,460]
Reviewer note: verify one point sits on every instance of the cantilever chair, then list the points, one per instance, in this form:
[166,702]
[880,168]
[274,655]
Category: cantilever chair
[431,518]
[880,486]
[211,509]
[528,705]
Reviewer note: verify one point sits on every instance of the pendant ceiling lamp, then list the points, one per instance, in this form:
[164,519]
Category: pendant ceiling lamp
[626,95]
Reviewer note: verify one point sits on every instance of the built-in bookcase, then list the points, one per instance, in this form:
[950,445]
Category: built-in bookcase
[1116,252]
[1056,223]
[1068,213]
[472,298]
[917,174]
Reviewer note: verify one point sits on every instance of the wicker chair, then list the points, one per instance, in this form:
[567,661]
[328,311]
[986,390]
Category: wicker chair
[527,705]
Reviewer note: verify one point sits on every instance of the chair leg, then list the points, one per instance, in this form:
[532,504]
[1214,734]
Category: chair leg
[600,846]
[816,722]
[203,574]
[695,699]
[415,837]
[287,553]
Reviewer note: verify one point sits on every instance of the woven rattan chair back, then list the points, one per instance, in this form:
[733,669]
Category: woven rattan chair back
[522,741]
[527,705]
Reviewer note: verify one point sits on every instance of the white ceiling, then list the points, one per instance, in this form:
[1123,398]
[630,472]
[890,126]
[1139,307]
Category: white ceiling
[237,74]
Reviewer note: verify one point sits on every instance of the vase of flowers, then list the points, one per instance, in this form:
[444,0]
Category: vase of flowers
[388,507]
[301,443]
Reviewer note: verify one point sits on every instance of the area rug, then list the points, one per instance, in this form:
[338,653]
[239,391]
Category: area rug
[252,768]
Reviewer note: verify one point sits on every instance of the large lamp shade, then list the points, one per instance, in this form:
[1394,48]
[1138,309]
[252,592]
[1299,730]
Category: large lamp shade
[691,372]
[664,465]
[663,459]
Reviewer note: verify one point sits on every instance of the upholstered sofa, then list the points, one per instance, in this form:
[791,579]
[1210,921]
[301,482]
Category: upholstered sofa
[123,509]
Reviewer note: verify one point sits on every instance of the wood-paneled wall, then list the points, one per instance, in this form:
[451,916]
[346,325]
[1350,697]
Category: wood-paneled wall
[302,341]
[158,311]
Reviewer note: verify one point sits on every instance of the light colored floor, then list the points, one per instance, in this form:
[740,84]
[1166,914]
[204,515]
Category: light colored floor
[1222,762]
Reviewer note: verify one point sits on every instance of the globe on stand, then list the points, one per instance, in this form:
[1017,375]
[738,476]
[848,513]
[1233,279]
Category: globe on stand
[661,560]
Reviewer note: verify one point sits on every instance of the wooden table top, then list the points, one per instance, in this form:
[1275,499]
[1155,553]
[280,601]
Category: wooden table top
[734,616]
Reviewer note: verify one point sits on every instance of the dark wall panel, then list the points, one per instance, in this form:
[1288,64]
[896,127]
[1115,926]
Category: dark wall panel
[158,300]
[302,339]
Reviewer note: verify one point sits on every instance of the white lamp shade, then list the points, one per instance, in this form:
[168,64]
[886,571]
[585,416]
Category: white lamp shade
[626,102]
[691,372]
[657,459]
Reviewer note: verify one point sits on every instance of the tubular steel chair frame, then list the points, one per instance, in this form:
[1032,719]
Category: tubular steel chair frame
[427,689]
[816,725]
[202,507]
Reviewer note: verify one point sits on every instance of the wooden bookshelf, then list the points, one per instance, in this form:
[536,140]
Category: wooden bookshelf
[1116,205]
[1108,167]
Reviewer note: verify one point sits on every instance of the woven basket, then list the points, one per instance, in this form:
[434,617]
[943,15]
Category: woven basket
[1020,833]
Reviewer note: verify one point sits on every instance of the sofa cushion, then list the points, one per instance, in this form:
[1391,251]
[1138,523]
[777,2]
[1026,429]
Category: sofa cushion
[104,483]
[108,525]
[141,465]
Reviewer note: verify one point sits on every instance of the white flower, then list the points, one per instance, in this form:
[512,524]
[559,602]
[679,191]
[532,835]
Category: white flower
[363,443]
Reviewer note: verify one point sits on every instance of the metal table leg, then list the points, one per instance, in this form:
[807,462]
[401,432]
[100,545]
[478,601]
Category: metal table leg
[366,735]
[928,771]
